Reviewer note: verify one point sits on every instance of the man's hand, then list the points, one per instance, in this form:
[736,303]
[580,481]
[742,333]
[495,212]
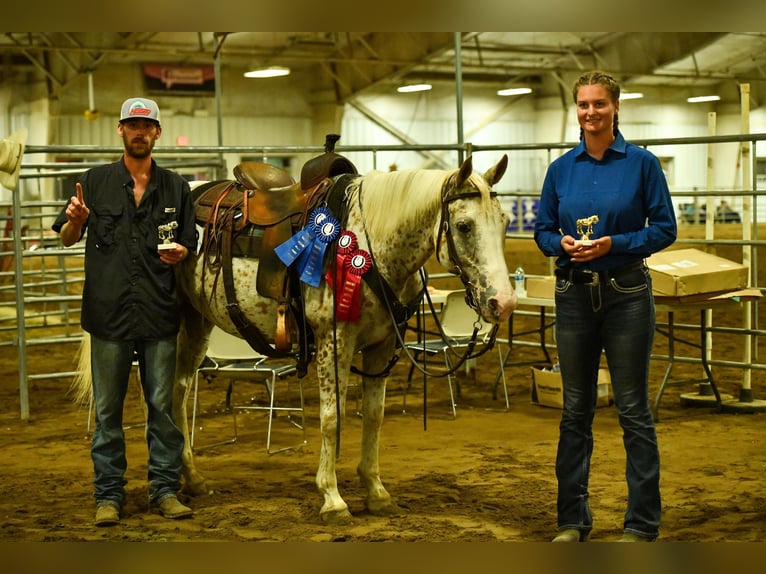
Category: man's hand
[173,256]
[77,212]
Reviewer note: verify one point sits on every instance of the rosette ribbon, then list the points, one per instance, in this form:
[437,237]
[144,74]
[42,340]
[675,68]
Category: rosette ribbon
[346,245]
[356,264]
[306,249]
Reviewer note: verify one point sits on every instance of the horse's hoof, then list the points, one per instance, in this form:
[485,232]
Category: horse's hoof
[336,516]
[387,508]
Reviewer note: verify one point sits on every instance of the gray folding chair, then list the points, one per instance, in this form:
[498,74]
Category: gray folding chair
[457,320]
[230,357]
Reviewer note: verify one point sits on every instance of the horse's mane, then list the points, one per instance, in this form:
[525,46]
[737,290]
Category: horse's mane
[390,198]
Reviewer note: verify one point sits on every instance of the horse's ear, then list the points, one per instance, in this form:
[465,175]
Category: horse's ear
[494,174]
[465,171]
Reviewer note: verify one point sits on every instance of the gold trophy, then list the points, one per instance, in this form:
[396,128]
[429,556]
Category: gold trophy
[167,234]
[585,229]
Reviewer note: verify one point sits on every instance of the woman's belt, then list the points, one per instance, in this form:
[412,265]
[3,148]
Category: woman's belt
[593,278]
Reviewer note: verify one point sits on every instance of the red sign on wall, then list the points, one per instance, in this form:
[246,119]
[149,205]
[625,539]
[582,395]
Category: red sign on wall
[191,79]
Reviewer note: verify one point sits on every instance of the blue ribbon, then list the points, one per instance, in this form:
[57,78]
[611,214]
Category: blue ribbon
[306,249]
[292,249]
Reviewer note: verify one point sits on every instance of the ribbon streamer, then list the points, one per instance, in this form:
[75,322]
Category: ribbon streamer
[356,264]
[346,244]
[325,230]
[306,249]
[292,249]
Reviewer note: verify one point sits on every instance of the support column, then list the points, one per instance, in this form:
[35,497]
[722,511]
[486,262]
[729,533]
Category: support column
[746,402]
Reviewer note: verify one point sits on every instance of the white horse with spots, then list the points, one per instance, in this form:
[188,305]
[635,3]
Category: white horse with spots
[401,219]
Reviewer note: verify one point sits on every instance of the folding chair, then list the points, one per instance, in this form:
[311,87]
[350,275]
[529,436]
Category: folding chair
[457,320]
[230,357]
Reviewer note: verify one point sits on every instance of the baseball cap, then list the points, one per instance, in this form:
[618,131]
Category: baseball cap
[141,108]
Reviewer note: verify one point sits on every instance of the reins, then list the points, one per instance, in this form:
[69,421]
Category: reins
[399,322]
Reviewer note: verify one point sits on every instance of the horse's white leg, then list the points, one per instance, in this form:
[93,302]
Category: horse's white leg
[334,508]
[192,345]
[373,404]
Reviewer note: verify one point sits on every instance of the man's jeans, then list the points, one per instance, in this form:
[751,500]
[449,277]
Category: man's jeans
[617,316]
[110,364]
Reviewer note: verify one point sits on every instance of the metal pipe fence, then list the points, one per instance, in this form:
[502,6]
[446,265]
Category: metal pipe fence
[45,285]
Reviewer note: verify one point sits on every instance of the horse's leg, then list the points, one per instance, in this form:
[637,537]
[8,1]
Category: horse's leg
[192,345]
[373,403]
[334,509]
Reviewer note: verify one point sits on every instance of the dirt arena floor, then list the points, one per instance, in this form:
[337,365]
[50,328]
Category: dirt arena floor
[487,476]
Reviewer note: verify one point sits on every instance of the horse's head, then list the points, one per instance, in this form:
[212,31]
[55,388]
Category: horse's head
[470,239]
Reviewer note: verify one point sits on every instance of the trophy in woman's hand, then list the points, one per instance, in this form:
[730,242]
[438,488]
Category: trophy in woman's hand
[585,229]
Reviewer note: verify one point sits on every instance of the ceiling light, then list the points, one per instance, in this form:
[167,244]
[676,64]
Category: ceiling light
[268,72]
[414,88]
[514,91]
[698,99]
[631,95]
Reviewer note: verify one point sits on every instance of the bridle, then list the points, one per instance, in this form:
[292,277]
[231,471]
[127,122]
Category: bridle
[391,303]
[384,292]
[446,232]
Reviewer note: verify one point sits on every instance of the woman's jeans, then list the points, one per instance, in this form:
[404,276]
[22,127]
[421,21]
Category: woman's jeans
[111,362]
[617,316]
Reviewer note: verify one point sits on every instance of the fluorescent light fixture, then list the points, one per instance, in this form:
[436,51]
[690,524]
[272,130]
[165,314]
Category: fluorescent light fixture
[698,99]
[514,91]
[631,95]
[269,72]
[414,88]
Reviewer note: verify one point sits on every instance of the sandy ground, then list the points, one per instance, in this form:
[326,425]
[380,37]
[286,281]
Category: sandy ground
[486,476]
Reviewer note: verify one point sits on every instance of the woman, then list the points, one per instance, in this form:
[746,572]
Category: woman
[604,301]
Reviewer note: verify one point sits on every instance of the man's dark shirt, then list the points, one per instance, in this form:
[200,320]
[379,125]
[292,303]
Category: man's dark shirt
[129,293]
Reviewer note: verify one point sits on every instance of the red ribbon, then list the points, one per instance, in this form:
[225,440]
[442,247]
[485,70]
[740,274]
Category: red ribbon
[346,245]
[356,264]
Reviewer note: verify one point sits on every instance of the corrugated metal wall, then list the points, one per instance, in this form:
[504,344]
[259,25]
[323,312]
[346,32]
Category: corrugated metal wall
[200,131]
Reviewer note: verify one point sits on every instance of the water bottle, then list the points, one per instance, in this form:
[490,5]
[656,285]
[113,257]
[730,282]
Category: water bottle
[519,280]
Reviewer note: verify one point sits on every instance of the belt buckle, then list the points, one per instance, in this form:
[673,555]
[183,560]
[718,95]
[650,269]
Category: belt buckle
[594,280]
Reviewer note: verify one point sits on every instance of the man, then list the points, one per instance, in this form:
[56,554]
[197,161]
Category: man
[140,223]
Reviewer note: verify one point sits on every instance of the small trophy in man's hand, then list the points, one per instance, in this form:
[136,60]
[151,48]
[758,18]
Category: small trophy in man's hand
[167,234]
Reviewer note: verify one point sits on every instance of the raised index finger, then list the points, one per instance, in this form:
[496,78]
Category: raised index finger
[79,193]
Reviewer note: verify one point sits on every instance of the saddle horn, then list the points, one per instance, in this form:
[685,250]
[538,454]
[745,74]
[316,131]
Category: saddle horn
[330,141]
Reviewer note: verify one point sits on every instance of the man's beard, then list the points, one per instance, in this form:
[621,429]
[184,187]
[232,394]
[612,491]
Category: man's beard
[138,149]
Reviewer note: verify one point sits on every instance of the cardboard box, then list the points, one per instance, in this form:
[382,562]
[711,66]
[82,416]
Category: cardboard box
[541,287]
[547,390]
[683,272]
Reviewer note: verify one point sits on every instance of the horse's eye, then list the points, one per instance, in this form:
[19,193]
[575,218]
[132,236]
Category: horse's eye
[463,227]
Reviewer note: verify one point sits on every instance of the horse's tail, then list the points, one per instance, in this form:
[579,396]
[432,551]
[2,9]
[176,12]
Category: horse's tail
[82,388]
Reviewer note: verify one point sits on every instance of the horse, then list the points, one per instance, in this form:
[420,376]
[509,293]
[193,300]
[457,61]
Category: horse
[399,220]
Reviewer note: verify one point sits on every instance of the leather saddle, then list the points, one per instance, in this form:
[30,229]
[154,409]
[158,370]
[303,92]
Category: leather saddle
[262,208]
